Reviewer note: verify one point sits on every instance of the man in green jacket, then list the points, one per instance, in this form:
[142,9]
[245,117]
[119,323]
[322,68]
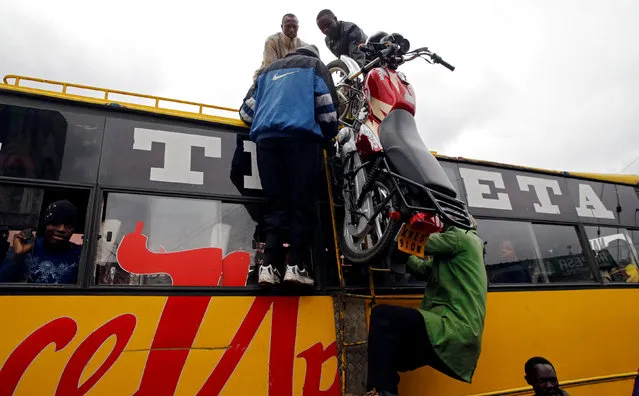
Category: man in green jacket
[445,331]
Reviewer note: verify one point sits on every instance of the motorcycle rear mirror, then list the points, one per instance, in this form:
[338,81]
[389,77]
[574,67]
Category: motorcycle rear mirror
[404,45]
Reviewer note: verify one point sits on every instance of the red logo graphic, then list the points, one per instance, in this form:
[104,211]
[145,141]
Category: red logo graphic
[197,267]
[178,326]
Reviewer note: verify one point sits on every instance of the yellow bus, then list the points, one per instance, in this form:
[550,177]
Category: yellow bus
[165,302]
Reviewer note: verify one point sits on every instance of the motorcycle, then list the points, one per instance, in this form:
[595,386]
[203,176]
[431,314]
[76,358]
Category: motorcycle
[393,189]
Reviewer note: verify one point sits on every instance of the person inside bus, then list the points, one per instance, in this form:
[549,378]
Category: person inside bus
[52,258]
[342,38]
[291,111]
[280,44]
[514,271]
[626,270]
[507,251]
[4,244]
[445,332]
[541,375]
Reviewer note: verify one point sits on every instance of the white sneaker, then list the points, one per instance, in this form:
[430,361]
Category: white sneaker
[268,275]
[295,275]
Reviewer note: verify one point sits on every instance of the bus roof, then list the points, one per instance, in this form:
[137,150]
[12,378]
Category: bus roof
[215,114]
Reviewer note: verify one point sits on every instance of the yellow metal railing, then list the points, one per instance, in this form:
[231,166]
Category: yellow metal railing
[106,95]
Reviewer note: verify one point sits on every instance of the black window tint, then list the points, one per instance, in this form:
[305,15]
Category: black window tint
[562,256]
[509,251]
[453,175]
[605,203]
[47,144]
[181,233]
[634,240]
[616,256]
[140,152]
[20,206]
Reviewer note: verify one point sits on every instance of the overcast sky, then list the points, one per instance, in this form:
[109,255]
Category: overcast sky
[541,83]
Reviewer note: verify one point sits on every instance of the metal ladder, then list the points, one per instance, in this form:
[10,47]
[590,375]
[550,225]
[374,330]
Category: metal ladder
[352,334]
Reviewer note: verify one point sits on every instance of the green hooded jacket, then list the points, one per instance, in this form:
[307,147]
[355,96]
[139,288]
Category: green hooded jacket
[454,304]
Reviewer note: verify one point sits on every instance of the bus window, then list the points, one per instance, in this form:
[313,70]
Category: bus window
[562,255]
[154,240]
[509,251]
[634,241]
[615,254]
[33,247]
[49,144]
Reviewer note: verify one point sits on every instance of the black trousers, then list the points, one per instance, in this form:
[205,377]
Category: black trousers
[398,342]
[289,168]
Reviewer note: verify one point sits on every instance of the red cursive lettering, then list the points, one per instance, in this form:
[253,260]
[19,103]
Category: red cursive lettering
[315,357]
[179,324]
[122,328]
[281,356]
[59,332]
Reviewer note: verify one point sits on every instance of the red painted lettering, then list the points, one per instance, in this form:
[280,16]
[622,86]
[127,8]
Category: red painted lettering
[315,357]
[281,356]
[59,332]
[179,324]
[122,328]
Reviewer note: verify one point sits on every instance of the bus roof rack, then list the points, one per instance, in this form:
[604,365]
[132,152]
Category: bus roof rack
[113,97]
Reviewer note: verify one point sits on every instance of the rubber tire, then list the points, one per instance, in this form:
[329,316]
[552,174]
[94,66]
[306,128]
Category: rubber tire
[337,63]
[380,249]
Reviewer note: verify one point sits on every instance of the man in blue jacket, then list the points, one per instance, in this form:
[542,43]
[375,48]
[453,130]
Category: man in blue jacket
[291,111]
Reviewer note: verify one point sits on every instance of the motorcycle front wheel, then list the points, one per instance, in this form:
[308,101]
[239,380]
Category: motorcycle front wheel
[374,243]
[339,71]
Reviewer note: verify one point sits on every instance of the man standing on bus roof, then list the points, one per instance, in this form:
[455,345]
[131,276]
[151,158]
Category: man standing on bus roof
[291,111]
[280,44]
[52,259]
[541,375]
[342,38]
[445,332]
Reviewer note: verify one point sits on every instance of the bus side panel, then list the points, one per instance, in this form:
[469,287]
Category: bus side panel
[584,333]
[167,345]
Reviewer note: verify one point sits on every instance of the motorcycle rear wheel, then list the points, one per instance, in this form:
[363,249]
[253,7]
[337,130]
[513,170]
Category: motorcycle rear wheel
[372,246]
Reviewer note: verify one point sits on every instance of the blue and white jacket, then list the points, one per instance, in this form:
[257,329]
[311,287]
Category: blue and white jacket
[293,96]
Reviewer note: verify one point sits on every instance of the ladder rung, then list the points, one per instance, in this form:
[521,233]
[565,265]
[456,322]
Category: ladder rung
[356,343]
[379,269]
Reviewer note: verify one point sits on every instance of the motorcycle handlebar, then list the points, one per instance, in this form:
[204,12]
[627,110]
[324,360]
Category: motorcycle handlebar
[438,59]
[394,49]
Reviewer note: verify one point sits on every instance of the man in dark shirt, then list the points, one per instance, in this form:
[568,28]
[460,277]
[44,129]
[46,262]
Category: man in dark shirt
[342,38]
[541,375]
[51,259]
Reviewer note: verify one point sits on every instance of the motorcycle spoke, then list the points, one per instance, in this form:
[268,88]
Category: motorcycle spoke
[378,228]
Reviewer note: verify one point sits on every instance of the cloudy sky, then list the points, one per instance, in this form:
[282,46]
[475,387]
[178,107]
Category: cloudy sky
[542,83]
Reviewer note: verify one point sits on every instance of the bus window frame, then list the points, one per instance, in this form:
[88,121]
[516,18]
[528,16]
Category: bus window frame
[26,288]
[101,194]
[85,283]
[583,240]
[37,102]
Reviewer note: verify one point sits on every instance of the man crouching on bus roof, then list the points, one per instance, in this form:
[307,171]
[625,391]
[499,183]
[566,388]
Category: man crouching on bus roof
[291,111]
[52,259]
[445,331]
